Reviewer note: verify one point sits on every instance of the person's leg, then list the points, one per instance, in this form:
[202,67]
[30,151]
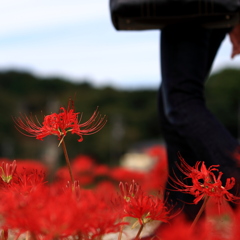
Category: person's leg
[187,55]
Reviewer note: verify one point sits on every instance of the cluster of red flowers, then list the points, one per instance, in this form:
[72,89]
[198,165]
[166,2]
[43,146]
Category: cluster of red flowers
[204,182]
[142,206]
[32,208]
[29,205]
[89,173]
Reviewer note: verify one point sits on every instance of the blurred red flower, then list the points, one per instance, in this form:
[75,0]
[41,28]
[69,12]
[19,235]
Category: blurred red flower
[142,206]
[180,229]
[157,177]
[125,175]
[83,163]
[54,211]
[30,164]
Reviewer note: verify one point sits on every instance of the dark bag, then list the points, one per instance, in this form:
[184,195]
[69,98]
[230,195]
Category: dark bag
[156,14]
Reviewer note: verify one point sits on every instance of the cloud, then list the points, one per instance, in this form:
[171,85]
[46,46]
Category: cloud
[76,39]
[27,15]
[223,59]
[124,61]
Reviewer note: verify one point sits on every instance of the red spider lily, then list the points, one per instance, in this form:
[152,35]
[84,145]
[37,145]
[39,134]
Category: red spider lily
[204,183]
[23,181]
[101,170]
[8,169]
[106,186]
[44,212]
[103,218]
[59,124]
[62,174]
[83,163]
[147,208]
[199,171]
[141,206]
[50,212]
[157,151]
[129,191]
[27,165]
[27,181]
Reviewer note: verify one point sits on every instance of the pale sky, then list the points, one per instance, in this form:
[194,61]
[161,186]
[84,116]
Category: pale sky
[75,39]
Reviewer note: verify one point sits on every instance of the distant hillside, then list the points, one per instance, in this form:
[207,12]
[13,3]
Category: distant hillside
[132,115]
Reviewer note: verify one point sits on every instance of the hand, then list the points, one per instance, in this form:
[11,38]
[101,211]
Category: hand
[235,40]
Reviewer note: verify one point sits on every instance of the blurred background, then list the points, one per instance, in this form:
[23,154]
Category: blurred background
[53,50]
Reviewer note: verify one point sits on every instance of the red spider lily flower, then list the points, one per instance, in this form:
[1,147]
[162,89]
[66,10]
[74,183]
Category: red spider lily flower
[129,191]
[23,181]
[59,124]
[26,181]
[103,219]
[8,169]
[101,170]
[27,165]
[157,151]
[76,189]
[58,212]
[147,208]
[106,186]
[143,207]
[30,180]
[83,163]
[204,183]
[47,212]
[199,171]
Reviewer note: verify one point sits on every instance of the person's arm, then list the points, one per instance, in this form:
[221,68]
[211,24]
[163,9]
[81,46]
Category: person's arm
[235,40]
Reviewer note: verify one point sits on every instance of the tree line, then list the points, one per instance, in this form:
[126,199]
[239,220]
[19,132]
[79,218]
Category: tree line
[132,115]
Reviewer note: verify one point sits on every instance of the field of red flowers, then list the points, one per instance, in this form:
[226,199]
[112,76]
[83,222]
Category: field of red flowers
[86,200]
[102,203]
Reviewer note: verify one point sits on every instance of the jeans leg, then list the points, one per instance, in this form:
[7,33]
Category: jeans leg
[187,54]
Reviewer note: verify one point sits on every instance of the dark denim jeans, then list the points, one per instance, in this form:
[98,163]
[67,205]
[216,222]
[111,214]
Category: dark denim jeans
[187,54]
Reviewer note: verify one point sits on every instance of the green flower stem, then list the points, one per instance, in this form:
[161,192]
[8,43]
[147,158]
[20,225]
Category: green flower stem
[121,230]
[67,160]
[139,232]
[120,233]
[200,212]
[30,236]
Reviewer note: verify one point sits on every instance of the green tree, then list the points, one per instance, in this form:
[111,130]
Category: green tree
[223,98]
